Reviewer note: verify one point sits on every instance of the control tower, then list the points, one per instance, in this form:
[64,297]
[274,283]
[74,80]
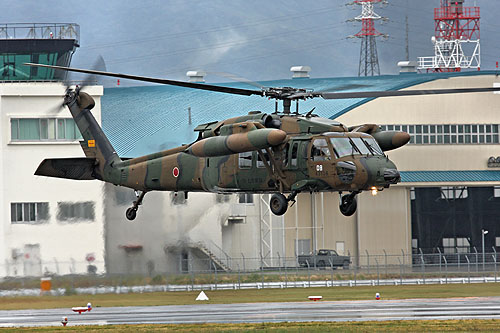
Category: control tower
[43,220]
[44,43]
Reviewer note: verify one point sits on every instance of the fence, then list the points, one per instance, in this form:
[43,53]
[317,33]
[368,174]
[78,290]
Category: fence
[234,273]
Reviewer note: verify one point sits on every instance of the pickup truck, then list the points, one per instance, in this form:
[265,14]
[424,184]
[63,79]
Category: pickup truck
[323,259]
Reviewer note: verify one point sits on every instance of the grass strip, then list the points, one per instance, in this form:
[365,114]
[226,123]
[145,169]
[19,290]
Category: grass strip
[480,325]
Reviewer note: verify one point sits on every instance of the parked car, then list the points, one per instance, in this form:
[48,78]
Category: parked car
[324,258]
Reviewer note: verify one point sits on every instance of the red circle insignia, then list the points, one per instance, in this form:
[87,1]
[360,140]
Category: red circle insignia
[175,172]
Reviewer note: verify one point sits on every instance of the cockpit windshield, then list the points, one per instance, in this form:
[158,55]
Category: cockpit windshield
[355,146]
[363,149]
[342,146]
[373,145]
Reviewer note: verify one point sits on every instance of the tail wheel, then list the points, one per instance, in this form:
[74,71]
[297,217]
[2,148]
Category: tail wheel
[348,205]
[278,204]
[131,213]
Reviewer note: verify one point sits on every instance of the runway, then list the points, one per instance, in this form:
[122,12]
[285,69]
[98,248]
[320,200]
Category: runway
[413,309]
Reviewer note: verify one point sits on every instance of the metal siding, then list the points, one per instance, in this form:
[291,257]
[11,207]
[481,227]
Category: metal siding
[450,176]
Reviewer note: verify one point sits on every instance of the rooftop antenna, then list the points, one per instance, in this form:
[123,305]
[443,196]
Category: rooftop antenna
[456,38]
[407,40]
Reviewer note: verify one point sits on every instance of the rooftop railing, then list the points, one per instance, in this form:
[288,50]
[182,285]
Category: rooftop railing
[40,31]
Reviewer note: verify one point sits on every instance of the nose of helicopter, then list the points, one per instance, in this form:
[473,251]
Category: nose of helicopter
[392,176]
[382,172]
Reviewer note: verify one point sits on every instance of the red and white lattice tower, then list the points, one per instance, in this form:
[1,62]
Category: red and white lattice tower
[456,39]
[368,59]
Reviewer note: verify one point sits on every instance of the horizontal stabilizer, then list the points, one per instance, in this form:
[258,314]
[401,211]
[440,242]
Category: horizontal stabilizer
[79,168]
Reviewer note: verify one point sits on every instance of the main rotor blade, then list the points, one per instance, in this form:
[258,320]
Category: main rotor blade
[202,86]
[98,65]
[237,78]
[394,93]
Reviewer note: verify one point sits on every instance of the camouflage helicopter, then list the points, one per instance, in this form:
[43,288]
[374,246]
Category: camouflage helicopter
[295,152]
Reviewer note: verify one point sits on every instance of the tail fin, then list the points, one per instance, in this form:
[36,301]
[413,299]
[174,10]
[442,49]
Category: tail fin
[95,144]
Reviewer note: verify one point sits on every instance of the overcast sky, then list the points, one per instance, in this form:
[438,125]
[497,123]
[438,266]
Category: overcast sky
[258,40]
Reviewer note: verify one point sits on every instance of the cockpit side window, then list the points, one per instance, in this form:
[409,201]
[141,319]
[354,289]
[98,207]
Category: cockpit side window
[320,150]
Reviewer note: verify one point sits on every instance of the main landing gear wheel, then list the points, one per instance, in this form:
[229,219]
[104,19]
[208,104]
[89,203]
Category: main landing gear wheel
[278,204]
[348,204]
[131,212]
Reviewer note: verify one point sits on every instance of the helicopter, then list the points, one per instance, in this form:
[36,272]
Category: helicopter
[282,153]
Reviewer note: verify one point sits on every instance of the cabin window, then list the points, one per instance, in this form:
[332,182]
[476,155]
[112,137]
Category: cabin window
[285,157]
[245,160]
[260,163]
[320,150]
[294,153]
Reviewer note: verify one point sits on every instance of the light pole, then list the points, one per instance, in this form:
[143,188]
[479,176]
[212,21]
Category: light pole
[483,232]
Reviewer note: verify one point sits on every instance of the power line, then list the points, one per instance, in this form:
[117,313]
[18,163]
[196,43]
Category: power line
[218,46]
[207,31]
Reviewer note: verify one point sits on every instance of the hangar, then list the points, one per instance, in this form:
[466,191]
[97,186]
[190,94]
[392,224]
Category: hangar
[447,196]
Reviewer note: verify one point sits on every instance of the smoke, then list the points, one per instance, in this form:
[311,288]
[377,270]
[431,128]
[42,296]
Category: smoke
[196,220]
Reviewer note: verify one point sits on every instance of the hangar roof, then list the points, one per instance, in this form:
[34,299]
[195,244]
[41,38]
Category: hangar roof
[145,119]
[450,176]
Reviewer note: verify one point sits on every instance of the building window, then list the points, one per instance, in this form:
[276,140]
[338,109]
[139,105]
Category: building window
[44,129]
[454,192]
[124,196]
[76,211]
[178,198]
[222,198]
[246,198]
[412,193]
[461,244]
[340,248]
[449,134]
[29,212]
[496,191]
[414,243]
[303,246]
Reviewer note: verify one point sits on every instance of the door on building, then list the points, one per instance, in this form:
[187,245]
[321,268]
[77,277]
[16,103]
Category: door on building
[32,260]
[303,246]
[339,247]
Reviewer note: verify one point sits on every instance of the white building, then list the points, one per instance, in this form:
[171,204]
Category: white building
[47,225]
